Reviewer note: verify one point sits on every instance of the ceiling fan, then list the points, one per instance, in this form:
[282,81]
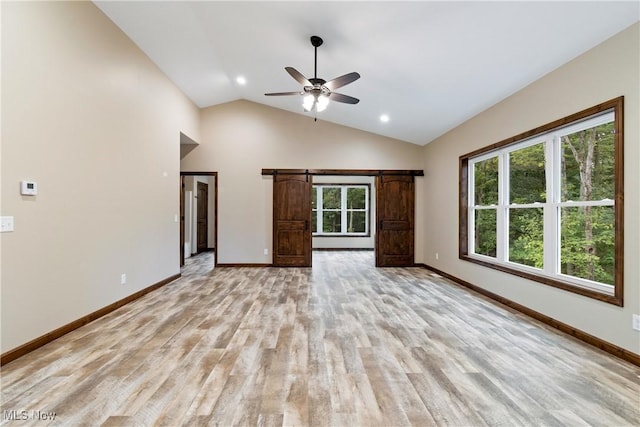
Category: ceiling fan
[317,92]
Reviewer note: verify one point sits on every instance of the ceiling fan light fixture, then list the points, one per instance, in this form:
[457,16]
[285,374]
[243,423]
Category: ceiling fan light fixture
[322,103]
[308,102]
[315,101]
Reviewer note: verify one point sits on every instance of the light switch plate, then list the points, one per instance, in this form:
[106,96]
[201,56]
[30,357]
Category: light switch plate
[6,224]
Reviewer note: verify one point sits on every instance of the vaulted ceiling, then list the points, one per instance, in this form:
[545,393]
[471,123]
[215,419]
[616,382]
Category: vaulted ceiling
[428,65]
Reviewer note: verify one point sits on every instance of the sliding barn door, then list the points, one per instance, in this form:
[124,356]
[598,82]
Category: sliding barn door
[395,197]
[292,220]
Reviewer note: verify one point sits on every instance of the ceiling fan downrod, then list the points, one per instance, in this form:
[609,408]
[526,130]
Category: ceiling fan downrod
[316,41]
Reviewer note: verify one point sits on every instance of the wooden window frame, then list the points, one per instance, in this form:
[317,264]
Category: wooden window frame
[617,106]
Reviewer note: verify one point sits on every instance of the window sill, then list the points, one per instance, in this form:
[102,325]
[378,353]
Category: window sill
[529,274]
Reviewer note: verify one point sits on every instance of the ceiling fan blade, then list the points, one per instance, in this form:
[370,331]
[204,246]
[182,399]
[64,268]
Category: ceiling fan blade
[298,76]
[338,97]
[342,81]
[283,93]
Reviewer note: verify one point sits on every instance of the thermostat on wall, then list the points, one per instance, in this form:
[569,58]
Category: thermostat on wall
[28,188]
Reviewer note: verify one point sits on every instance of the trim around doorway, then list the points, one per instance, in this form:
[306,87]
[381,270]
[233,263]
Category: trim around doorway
[215,213]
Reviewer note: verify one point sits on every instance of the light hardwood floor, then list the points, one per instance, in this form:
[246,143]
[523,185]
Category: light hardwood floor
[342,344]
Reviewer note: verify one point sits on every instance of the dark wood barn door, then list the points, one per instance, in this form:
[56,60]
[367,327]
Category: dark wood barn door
[395,197]
[292,220]
[203,215]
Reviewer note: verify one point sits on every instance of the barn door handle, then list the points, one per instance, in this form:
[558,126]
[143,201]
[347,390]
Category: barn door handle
[306,224]
[381,222]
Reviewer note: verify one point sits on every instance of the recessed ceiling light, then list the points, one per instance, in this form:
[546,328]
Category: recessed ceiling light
[241,80]
[384,118]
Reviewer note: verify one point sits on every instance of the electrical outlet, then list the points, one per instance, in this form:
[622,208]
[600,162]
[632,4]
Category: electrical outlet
[437,255]
[123,279]
[266,251]
[635,322]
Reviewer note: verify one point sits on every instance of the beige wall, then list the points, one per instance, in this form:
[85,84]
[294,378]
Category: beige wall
[88,116]
[603,73]
[240,138]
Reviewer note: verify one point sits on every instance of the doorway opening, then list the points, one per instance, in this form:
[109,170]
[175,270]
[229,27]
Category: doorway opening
[343,214]
[198,215]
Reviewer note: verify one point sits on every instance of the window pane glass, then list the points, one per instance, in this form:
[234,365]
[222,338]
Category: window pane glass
[314,221]
[587,169]
[356,198]
[527,175]
[331,222]
[526,244]
[486,182]
[314,198]
[485,232]
[356,222]
[587,243]
[331,198]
